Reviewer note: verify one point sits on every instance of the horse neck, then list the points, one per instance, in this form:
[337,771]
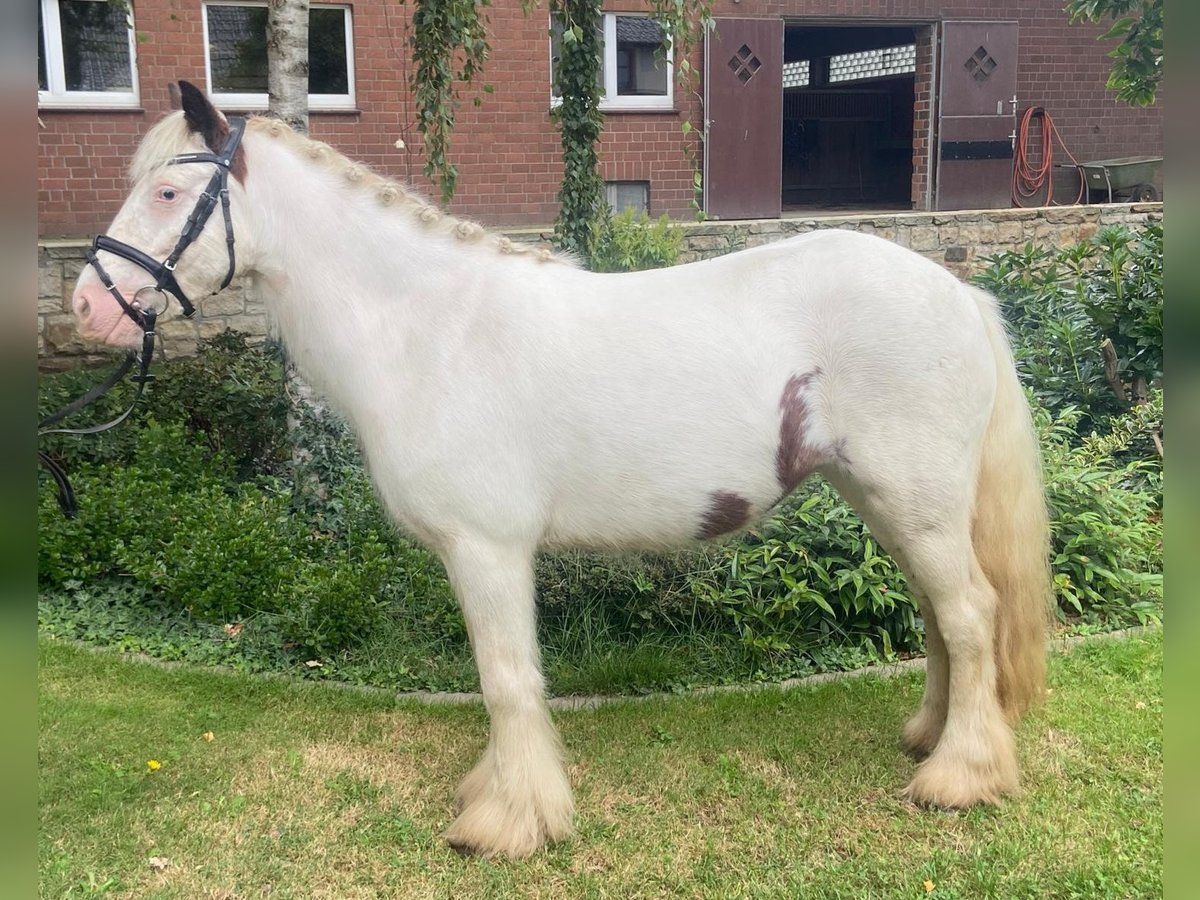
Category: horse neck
[342,272]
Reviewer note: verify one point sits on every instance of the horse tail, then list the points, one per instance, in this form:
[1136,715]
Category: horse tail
[1010,530]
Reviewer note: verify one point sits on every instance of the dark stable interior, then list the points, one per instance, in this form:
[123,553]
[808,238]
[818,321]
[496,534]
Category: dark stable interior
[846,144]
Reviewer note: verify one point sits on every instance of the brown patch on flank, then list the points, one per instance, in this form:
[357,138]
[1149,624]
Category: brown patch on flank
[795,459]
[726,512]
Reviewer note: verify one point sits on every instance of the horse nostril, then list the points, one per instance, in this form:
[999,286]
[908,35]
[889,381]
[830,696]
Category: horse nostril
[83,307]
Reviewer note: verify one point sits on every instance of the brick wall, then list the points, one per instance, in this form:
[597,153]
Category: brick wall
[507,150]
[957,240]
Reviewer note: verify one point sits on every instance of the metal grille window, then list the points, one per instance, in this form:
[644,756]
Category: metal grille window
[85,54]
[873,63]
[633,74]
[795,74]
[235,40]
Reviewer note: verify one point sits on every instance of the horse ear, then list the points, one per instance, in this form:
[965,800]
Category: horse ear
[201,116]
[173,94]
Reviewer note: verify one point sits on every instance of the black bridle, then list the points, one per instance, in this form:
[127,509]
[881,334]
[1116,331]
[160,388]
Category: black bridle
[163,273]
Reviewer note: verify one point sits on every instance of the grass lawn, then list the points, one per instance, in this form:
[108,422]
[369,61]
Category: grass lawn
[312,791]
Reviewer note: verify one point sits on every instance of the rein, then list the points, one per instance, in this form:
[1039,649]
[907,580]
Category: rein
[217,190]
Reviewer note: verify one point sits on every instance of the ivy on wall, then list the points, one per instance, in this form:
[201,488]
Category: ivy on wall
[449,44]
[582,205]
[449,41]
[684,22]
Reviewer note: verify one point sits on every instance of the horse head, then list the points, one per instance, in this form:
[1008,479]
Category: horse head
[175,232]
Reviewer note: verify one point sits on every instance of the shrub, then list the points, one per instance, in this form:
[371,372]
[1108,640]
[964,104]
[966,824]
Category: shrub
[1062,304]
[338,598]
[222,556]
[1123,295]
[631,242]
[174,522]
[812,574]
[229,398]
[230,394]
[1105,519]
[122,507]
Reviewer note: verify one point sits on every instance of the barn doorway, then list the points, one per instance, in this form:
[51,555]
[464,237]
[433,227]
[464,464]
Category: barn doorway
[849,95]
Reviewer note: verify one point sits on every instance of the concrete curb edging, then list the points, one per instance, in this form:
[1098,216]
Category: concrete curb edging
[577,702]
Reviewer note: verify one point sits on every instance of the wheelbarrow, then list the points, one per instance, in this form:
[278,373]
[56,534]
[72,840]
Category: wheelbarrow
[1128,178]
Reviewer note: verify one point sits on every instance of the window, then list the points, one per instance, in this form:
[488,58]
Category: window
[795,74]
[85,54]
[632,76]
[623,195]
[873,63]
[235,38]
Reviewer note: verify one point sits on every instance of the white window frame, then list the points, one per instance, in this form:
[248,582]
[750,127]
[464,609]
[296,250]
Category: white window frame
[259,101]
[612,101]
[57,94]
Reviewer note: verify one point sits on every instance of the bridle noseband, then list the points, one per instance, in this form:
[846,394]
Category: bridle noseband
[146,316]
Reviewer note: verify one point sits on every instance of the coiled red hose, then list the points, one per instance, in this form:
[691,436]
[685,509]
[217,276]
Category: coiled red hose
[1029,179]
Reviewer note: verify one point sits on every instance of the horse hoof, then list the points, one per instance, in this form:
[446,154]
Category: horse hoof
[465,849]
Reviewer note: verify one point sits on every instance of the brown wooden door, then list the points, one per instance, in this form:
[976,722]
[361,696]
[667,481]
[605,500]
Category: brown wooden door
[976,116]
[744,112]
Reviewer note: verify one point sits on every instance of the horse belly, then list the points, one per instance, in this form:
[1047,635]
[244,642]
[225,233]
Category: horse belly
[679,486]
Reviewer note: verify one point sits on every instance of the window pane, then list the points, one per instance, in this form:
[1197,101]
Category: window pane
[795,74]
[556,54]
[638,72]
[237,49]
[95,37]
[623,195]
[43,81]
[327,70]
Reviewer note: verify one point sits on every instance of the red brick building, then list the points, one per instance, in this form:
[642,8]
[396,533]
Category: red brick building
[809,103]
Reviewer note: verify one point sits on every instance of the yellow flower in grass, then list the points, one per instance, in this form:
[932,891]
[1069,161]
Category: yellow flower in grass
[153,765]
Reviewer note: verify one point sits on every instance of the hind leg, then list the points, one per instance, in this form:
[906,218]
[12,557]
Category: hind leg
[967,745]
[922,731]
[974,759]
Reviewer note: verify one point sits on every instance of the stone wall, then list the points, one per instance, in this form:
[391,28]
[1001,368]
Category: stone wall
[957,240]
[59,346]
[960,241]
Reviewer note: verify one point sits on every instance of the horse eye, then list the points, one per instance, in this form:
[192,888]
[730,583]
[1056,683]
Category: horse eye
[167,194]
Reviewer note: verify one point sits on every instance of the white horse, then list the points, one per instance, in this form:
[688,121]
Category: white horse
[507,401]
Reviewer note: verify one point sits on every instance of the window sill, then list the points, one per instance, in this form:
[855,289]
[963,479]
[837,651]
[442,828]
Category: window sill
[616,109]
[256,110]
[639,111]
[88,106]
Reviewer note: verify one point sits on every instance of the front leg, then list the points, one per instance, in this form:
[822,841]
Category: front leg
[517,797]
